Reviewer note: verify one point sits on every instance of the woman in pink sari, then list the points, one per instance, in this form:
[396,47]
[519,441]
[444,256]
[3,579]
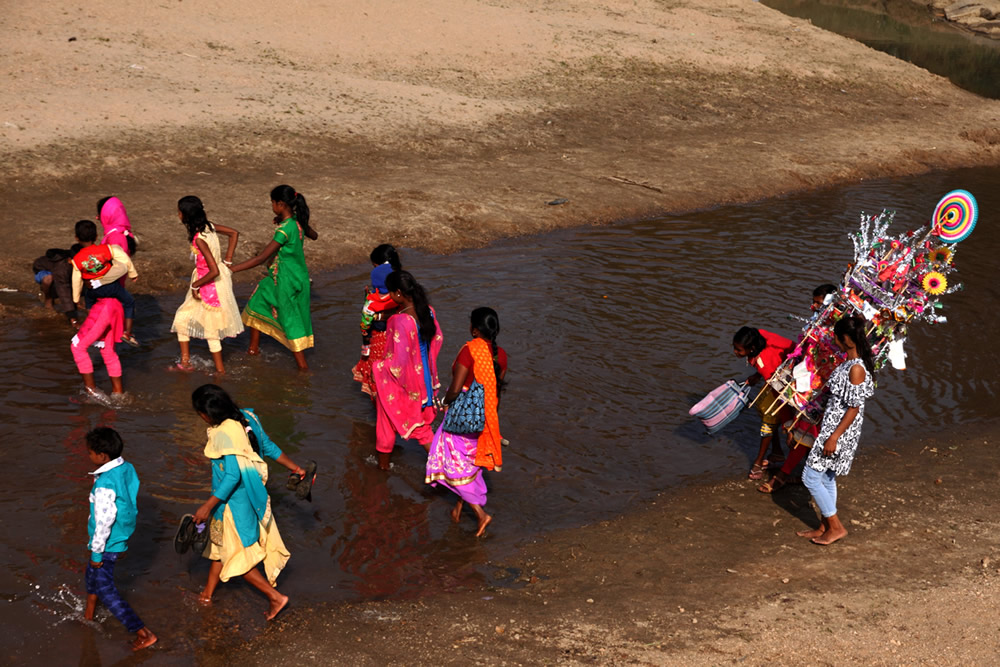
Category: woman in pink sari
[406,379]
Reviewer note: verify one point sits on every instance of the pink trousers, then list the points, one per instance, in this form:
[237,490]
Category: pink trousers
[103,323]
[385,434]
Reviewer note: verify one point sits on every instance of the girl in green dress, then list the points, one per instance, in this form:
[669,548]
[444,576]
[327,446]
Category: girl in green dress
[279,306]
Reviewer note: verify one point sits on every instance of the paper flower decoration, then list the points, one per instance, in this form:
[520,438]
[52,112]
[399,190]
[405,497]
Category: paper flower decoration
[940,255]
[934,283]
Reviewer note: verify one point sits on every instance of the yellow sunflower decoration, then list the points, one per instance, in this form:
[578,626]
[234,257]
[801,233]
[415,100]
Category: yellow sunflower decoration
[934,283]
[941,255]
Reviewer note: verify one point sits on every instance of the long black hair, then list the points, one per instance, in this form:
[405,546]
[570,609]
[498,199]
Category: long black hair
[193,216]
[408,285]
[386,253]
[297,204]
[487,322]
[751,340]
[853,327]
[212,401]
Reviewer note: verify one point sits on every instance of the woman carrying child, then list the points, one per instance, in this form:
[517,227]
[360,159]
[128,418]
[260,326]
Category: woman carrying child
[457,461]
[242,530]
[374,314]
[209,310]
[765,352]
[833,452]
[406,379]
[279,306]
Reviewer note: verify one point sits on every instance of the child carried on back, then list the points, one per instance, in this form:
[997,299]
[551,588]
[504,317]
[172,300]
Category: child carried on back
[110,315]
[97,270]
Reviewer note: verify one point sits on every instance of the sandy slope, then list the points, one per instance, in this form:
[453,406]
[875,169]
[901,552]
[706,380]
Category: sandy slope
[445,124]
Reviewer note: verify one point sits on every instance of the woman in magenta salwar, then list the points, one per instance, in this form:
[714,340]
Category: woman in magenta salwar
[406,379]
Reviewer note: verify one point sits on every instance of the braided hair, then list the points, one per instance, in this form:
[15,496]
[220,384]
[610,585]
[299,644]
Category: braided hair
[297,204]
[212,401]
[487,322]
[408,285]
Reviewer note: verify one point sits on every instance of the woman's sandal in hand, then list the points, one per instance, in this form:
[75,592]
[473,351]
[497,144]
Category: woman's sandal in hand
[302,485]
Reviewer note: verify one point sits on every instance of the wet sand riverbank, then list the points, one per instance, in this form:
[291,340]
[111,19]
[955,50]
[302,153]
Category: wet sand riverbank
[445,127]
[714,574]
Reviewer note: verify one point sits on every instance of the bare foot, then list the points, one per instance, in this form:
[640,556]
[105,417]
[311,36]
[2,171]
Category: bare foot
[182,366]
[88,613]
[143,639]
[276,606]
[830,536]
[483,522]
[810,533]
[456,513]
[383,460]
[204,598]
[253,351]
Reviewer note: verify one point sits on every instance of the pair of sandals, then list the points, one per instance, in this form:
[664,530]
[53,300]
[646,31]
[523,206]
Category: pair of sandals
[194,536]
[191,535]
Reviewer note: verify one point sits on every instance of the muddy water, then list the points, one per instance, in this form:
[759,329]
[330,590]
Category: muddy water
[612,333]
[911,32]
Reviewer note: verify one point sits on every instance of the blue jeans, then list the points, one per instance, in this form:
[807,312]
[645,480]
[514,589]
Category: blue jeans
[114,290]
[823,487]
[100,581]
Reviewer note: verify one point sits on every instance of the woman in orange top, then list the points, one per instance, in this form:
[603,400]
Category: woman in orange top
[457,461]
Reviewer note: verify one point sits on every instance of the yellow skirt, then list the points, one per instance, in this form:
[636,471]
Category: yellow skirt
[237,560]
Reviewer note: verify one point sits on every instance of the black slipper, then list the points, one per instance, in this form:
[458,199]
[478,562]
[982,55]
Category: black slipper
[303,485]
[185,534]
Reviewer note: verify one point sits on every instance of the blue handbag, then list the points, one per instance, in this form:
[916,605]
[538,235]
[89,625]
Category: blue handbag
[467,413]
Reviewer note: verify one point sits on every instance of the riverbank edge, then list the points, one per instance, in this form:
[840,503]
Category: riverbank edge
[712,572]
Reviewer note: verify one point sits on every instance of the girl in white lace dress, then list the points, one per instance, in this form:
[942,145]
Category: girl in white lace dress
[209,310]
[832,453]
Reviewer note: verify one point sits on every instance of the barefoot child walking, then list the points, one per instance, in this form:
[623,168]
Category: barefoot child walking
[111,523]
[209,310]
[279,306]
[242,533]
[832,453]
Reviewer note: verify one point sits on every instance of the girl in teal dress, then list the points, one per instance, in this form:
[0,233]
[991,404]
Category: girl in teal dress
[279,306]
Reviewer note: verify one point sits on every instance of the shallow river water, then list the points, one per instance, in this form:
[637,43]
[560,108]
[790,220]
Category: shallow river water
[612,333]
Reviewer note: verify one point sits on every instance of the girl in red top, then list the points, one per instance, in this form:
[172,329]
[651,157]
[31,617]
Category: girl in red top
[764,351]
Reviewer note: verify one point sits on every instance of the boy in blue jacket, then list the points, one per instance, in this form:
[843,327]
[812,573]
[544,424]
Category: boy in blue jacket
[112,522]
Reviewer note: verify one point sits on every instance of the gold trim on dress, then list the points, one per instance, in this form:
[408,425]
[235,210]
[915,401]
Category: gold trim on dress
[276,332]
[441,477]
